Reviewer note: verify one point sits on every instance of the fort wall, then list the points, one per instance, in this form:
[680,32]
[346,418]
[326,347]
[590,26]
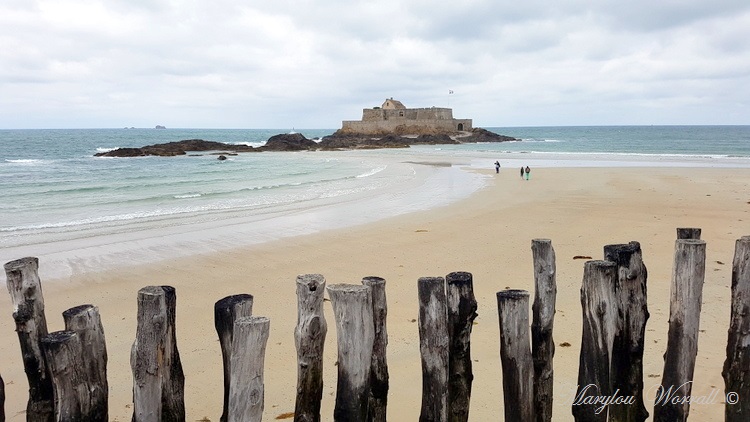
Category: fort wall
[394,118]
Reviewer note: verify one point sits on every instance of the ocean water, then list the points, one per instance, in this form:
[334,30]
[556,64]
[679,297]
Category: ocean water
[58,200]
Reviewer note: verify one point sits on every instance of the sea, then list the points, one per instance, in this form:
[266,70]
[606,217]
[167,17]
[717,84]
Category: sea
[61,203]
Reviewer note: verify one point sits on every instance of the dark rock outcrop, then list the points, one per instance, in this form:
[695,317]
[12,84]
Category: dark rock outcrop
[360,141]
[483,135]
[171,149]
[298,142]
[433,140]
[289,142]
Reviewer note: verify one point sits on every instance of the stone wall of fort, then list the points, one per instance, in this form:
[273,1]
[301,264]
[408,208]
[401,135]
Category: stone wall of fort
[379,121]
[405,126]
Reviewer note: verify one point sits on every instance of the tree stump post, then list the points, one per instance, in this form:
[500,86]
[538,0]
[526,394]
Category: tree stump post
[689,233]
[379,369]
[25,290]
[2,399]
[85,321]
[736,370]
[684,321]
[226,312]
[78,396]
[462,310]
[434,348]
[515,355]
[542,343]
[158,380]
[600,310]
[309,339]
[627,353]
[355,335]
[246,390]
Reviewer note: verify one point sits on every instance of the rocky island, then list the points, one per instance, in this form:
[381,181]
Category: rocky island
[389,126]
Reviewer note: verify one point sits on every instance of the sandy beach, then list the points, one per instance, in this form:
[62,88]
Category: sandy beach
[488,234]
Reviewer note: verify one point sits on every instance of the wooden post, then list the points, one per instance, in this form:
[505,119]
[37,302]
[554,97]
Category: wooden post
[515,355]
[226,312]
[542,343]
[379,368]
[599,327]
[434,348]
[627,352]
[689,233]
[355,335]
[246,390]
[682,339]
[462,310]
[85,321]
[735,372]
[309,338]
[25,290]
[77,397]
[158,380]
[2,399]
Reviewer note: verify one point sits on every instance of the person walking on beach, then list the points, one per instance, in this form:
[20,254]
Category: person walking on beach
[528,172]
[497,167]
[521,172]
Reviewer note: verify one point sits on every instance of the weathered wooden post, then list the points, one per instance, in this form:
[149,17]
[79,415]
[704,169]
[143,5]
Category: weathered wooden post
[77,397]
[379,368]
[25,290]
[689,233]
[599,326]
[627,353]
[542,343]
[682,339]
[355,335]
[158,380]
[515,355]
[462,310]
[226,312]
[434,348]
[2,399]
[85,321]
[309,338]
[736,370]
[246,389]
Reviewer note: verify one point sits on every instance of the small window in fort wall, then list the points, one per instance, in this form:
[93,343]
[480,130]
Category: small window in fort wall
[460,126]
[401,114]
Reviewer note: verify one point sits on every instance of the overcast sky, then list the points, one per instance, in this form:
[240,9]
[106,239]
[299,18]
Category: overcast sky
[312,63]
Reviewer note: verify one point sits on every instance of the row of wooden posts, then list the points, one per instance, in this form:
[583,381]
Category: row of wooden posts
[66,370]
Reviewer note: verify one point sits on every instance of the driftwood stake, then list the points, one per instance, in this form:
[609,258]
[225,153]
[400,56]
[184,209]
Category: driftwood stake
[434,347]
[689,233]
[309,338]
[627,353]
[2,399]
[682,341]
[515,355]
[355,335]
[85,321]
[379,368]
[246,390]
[736,371]
[599,327]
[25,290]
[77,398]
[462,310]
[158,380]
[226,312]
[542,343]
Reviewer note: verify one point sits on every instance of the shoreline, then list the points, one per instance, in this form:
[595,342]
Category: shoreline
[487,234]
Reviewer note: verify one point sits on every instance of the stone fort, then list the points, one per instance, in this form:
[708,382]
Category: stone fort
[393,117]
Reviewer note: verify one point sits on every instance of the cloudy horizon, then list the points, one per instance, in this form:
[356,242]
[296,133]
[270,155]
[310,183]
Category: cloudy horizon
[305,64]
